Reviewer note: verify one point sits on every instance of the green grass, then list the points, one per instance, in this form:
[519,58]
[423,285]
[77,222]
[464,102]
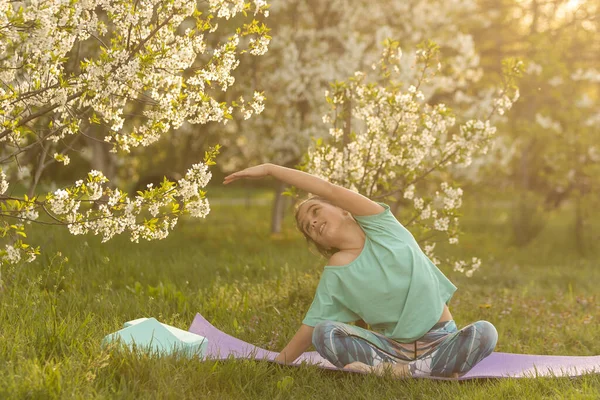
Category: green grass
[542,299]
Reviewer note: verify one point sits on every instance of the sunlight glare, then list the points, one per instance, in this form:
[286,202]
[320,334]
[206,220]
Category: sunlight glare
[572,4]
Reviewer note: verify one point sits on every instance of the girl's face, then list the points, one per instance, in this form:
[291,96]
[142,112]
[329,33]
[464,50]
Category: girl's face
[322,221]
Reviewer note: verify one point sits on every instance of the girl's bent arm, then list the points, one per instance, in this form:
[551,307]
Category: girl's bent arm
[301,180]
[353,202]
[298,345]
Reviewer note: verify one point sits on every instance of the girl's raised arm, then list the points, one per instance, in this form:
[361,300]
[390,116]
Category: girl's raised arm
[354,203]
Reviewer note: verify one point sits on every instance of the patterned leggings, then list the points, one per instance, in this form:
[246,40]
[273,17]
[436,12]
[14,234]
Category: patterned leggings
[443,351]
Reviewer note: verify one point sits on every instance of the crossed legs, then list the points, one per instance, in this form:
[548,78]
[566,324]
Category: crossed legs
[444,351]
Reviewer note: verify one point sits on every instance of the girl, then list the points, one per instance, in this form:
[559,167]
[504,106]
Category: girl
[376,275]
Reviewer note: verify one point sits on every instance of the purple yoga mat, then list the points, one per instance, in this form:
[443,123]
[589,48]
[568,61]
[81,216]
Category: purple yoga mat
[497,365]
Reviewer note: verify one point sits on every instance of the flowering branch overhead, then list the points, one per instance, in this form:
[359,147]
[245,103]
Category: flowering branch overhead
[136,70]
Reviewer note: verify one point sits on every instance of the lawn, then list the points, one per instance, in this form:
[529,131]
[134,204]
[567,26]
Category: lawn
[543,299]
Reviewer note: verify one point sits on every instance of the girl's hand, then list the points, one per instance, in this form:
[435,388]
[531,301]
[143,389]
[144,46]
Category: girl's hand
[256,172]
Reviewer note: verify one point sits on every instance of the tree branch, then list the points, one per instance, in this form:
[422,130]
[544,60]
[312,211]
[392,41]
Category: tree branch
[79,93]
[39,114]
[55,131]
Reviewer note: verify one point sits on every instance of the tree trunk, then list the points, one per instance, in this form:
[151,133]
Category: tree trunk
[528,220]
[579,228]
[39,170]
[101,159]
[278,211]
[527,223]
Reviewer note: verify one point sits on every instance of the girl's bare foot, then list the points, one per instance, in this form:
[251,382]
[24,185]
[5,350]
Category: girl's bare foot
[359,367]
[397,370]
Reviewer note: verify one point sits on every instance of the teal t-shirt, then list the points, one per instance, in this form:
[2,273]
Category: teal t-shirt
[392,285]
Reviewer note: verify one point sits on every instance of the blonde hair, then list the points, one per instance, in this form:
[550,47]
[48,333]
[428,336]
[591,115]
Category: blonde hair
[327,253]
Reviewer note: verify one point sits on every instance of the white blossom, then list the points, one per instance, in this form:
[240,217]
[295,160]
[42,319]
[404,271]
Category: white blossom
[29,212]
[259,46]
[547,122]
[199,208]
[62,202]
[426,212]
[428,249]
[409,193]
[591,75]
[441,224]
[96,190]
[555,81]
[11,255]
[534,68]
[3,182]
[418,203]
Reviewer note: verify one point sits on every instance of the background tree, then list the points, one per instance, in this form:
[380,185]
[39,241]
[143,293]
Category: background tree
[316,43]
[389,143]
[553,132]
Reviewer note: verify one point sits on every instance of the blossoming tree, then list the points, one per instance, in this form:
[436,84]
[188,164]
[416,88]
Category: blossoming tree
[387,142]
[66,67]
[318,42]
